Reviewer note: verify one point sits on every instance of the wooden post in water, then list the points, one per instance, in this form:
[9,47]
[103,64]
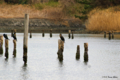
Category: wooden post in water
[109,35]
[72,35]
[30,34]
[104,34]
[112,35]
[1,44]
[43,33]
[86,52]
[78,52]
[14,49]
[11,33]
[50,32]
[15,32]
[25,41]
[6,48]
[60,49]
[69,34]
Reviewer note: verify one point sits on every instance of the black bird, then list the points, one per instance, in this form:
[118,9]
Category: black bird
[62,38]
[14,37]
[5,36]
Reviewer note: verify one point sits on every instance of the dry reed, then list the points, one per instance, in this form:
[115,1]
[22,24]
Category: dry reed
[104,20]
[18,11]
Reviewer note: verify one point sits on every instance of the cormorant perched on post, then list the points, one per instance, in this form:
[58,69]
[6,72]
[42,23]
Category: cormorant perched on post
[14,37]
[5,36]
[62,38]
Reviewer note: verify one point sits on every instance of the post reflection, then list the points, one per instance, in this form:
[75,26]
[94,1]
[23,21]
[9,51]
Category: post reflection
[24,72]
[14,53]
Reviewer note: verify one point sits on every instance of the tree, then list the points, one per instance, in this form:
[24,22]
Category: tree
[88,5]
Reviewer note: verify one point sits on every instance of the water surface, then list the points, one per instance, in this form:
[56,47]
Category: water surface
[43,64]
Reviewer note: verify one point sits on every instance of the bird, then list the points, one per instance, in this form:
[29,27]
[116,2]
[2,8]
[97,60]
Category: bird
[5,36]
[61,37]
[14,37]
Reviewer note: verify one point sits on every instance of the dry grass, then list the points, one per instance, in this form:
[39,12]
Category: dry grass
[104,20]
[18,11]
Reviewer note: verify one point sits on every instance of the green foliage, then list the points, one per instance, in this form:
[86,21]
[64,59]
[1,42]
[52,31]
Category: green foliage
[22,2]
[91,4]
[39,6]
[52,3]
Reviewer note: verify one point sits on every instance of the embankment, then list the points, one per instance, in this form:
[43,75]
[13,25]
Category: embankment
[37,25]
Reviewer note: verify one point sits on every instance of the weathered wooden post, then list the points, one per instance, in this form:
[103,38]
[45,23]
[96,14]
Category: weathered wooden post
[78,52]
[1,44]
[43,33]
[25,41]
[112,35]
[86,56]
[85,52]
[50,32]
[11,33]
[6,48]
[14,49]
[69,34]
[60,49]
[109,35]
[72,35]
[30,34]
[15,32]
[104,34]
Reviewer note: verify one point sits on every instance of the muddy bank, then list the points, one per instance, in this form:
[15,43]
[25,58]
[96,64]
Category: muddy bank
[37,25]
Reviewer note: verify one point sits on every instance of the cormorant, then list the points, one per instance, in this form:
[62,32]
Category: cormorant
[5,36]
[62,38]
[14,37]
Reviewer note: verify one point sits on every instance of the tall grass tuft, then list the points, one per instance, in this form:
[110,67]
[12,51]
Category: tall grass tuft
[104,20]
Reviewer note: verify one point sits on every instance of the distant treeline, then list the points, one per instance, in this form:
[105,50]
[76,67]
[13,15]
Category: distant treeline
[26,1]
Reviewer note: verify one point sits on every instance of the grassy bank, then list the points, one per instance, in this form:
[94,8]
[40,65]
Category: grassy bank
[104,20]
[52,10]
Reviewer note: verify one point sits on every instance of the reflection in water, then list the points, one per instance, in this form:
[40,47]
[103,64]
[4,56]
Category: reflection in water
[14,59]
[24,72]
[1,55]
[6,62]
[14,53]
[60,63]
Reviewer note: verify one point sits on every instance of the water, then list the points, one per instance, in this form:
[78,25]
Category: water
[43,64]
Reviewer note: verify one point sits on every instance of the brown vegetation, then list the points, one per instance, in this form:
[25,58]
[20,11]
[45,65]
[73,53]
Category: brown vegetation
[37,10]
[104,20]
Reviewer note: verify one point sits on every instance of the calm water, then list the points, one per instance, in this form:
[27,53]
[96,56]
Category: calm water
[43,64]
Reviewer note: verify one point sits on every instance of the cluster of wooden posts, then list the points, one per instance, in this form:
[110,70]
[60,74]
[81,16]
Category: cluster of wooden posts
[110,35]
[7,45]
[25,43]
[61,49]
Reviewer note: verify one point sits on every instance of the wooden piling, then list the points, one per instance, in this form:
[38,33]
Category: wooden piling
[14,48]
[112,35]
[1,44]
[50,32]
[43,33]
[109,35]
[25,41]
[15,32]
[12,33]
[60,49]
[78,52]
[72,35]
[6,48]
[104,34]
[85,52]
[86,56]
[85,46]
[30,34]
[69,32]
